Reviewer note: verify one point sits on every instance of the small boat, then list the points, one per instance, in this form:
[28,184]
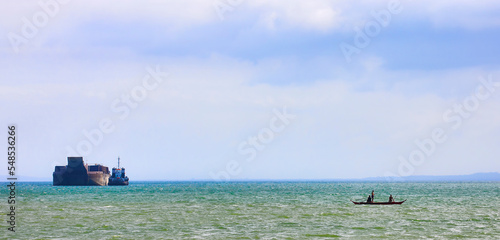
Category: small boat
[379,203]
[118,177]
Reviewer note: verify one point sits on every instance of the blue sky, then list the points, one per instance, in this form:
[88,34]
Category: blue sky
[228,78]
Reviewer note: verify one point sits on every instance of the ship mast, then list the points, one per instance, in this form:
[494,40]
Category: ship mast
[118,161]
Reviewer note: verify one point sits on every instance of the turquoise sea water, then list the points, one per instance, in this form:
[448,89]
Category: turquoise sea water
[254,210]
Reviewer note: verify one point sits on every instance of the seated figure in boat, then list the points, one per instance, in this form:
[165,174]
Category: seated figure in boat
[369,199]
[391,199]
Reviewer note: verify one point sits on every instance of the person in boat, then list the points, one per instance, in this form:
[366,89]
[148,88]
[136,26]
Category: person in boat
[369,200]
[373,195]
[391,199]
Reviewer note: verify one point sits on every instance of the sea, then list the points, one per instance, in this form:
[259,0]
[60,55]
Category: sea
[253,210]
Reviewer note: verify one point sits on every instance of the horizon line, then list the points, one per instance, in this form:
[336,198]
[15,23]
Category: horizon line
[364,179]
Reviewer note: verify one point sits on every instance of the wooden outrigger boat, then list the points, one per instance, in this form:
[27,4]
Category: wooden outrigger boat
[379,203]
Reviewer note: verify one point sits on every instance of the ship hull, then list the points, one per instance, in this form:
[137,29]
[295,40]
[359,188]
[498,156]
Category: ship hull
[69,179]
[76,173]
[379,203]
[98,179]
[117,182]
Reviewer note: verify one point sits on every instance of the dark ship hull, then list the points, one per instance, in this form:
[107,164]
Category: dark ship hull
[69,179]
[76,173]
[98,179]
[379,203]
[118,182]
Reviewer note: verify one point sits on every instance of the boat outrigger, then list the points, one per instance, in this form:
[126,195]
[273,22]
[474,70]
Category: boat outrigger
[379,203]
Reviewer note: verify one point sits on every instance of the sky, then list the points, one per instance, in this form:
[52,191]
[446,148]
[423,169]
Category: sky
[253,89]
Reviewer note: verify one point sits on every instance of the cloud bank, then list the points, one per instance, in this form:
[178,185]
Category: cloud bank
[354,119]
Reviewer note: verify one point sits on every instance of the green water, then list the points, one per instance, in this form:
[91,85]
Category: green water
[255,210]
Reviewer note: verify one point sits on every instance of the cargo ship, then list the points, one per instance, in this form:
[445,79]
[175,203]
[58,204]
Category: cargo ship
[77,173]
[118,176]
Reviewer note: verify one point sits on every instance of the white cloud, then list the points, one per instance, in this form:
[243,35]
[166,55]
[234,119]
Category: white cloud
[170,12]
[323,15]
[460,13]
[209,106]
[214,102]
[320,15]
[315,15]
